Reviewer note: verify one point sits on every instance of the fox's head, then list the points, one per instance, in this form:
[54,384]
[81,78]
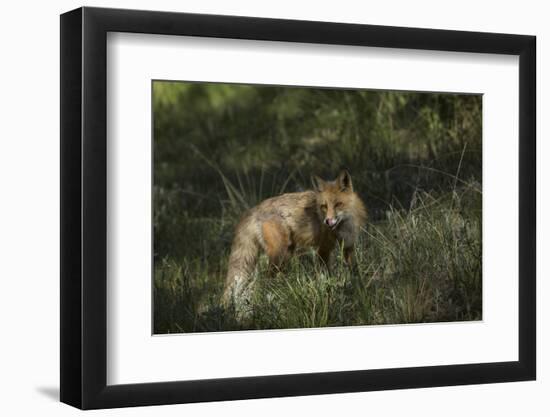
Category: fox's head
[334,198]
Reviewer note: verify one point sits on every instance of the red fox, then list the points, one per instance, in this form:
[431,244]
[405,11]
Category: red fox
[280,226]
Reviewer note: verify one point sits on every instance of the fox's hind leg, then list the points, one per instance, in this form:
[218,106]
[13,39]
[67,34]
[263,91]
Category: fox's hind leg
[277,242]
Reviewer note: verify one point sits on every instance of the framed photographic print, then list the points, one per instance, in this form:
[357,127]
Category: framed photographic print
[257,207]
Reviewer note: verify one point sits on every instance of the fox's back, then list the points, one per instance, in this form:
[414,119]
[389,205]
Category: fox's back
[296,211]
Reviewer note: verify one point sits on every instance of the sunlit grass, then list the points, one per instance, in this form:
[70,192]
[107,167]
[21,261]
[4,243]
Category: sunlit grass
[415,159]
[418,265]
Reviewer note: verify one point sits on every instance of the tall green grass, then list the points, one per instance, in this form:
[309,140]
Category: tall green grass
[420,264]
[415,159]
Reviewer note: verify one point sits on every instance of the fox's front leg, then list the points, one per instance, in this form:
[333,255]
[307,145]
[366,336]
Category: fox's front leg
[348,256]
[324,252]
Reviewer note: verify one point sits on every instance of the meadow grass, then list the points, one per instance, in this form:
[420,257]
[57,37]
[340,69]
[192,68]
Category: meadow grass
[415,159]
[419,264]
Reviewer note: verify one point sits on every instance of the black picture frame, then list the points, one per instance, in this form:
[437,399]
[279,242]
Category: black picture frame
[84,207]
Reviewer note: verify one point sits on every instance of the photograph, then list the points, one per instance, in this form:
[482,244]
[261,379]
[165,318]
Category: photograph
[293,207]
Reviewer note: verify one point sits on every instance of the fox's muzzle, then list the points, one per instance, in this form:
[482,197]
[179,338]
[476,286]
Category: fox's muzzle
[331,222]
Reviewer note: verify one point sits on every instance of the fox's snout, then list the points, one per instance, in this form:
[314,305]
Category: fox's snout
[330,221]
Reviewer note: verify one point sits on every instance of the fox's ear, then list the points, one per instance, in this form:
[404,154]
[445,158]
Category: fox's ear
[344,181]
[318,183]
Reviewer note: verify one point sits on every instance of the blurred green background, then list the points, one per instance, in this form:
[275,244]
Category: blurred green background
[414,157]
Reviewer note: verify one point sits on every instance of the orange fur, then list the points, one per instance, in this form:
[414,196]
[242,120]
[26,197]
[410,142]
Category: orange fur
[289,223]
[277,241]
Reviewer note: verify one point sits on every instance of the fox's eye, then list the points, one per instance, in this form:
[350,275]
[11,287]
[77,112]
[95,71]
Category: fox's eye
[324,207]
[338,204]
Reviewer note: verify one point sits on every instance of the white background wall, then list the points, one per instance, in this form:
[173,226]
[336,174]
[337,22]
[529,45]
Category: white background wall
[29,209]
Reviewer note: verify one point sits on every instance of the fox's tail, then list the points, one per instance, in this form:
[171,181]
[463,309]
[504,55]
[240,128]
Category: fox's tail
[242,261]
